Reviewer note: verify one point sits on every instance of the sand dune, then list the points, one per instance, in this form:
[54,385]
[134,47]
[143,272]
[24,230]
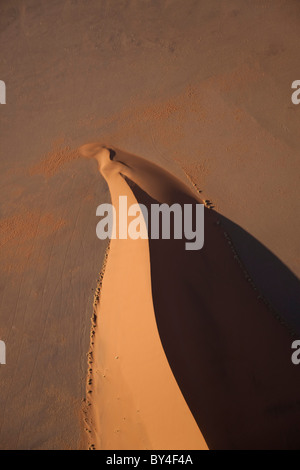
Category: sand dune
[202,87]
[228,353]
[136,402]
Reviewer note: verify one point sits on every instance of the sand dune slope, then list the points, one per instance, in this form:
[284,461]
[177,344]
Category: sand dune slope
[136,402]
[228,353]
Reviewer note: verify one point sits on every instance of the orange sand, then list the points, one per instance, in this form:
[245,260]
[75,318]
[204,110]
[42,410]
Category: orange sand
[228,353]
[203,86]
[136,402]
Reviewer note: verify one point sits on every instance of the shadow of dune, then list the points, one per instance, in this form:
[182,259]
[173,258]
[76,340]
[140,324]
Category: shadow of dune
[227,335]
[229,354]
[275,280]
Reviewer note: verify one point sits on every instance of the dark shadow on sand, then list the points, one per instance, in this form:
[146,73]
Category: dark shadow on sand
[230,352]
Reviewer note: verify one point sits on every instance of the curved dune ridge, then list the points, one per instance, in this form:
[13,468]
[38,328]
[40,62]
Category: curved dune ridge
[184,353]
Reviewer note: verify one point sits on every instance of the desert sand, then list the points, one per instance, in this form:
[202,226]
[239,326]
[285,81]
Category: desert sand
[203,90]
[227,349]
[135,401]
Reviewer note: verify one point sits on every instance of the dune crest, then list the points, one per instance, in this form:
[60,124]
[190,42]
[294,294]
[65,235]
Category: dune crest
[174,324]
[134,400]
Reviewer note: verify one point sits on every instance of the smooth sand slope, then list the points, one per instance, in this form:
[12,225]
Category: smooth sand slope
[228,353]
[46,282]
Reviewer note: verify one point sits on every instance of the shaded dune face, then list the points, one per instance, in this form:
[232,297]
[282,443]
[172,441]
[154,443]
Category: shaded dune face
[230,356]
